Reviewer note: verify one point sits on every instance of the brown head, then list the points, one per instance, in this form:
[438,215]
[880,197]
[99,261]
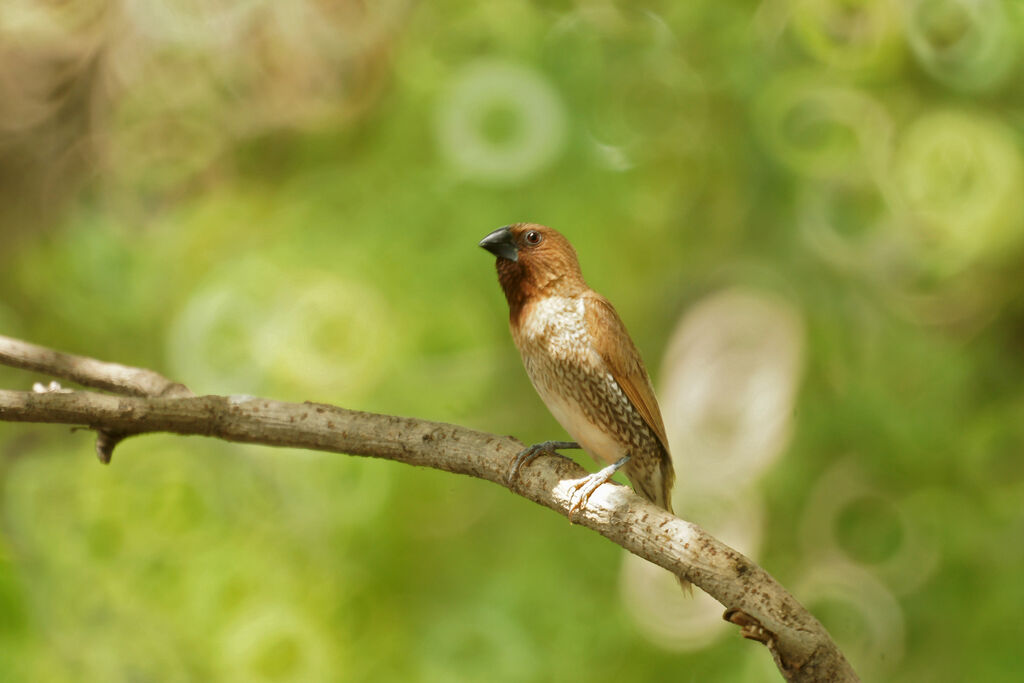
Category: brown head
[534,261]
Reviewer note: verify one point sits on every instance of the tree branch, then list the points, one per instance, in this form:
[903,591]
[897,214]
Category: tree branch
[800,645]
[88,372]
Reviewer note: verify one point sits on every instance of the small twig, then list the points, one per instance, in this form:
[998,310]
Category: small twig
[89,372]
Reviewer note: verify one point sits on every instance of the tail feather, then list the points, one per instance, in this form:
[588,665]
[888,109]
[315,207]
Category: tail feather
[657,488]
[654,484]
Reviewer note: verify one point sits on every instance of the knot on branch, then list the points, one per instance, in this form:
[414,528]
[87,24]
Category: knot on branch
[105,444]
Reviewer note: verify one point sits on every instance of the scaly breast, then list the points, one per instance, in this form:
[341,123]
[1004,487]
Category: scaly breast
[570,377]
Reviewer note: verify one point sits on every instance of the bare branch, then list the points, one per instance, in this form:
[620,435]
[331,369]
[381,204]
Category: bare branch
[88,372]
[149,402]
[799,644]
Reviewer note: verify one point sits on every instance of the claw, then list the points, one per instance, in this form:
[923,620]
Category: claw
[581,490]
[527,455]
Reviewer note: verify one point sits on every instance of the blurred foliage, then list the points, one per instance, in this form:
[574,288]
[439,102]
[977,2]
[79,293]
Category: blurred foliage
[812,207]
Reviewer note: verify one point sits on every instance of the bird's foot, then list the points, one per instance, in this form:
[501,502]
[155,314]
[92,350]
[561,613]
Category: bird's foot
[527,455]
[581,490]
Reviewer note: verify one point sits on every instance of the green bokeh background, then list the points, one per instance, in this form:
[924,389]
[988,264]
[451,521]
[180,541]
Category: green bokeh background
[284,199]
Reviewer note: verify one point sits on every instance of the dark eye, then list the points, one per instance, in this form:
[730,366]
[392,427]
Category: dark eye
[533,237]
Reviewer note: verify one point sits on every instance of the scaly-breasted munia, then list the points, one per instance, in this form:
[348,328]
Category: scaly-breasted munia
[582,363]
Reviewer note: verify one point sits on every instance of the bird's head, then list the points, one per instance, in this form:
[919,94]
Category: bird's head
[534,260]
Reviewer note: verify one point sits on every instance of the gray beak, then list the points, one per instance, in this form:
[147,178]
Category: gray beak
[502,244]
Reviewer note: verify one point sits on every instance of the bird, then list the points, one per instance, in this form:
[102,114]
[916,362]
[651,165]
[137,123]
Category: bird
[583,364]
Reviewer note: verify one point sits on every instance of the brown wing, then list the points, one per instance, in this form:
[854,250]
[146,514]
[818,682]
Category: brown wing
[611,341]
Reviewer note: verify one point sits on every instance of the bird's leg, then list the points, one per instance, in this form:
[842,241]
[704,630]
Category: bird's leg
[587,485]
[527,455]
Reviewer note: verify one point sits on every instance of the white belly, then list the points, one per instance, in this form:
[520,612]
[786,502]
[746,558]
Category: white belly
[598,443]
[564,370]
